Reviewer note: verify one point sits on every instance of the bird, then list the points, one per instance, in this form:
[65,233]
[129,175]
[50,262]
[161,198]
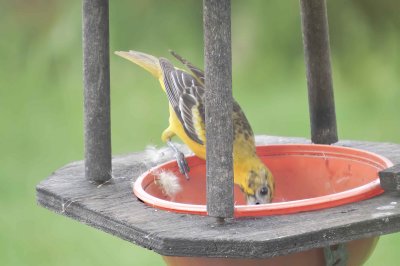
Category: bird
[185,91]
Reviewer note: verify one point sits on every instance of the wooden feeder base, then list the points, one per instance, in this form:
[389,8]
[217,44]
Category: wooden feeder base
[113,208]
[358,252]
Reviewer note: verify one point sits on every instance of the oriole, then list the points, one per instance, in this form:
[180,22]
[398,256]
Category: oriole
[185,93]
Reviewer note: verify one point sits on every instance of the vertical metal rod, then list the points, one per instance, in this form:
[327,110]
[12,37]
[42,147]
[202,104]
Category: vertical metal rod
[319,78]
[218,105]
[96,72]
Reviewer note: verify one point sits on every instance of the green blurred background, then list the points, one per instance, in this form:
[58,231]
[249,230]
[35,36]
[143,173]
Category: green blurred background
[41,100]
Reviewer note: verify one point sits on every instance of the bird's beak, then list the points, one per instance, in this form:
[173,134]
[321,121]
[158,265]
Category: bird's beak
[251,200]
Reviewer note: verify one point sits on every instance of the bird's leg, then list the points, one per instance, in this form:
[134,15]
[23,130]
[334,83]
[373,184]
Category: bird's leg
[180,159]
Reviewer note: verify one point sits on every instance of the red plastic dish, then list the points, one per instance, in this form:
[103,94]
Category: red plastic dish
[307,177]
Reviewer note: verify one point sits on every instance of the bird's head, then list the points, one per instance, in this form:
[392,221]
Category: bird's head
[259,185]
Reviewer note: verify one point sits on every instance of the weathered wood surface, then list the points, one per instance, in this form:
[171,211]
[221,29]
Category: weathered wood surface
[113,208]
[390,178]
[218,106]
[314,21]
[96,79]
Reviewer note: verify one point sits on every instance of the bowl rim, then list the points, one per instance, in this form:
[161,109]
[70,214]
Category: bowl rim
[365,191]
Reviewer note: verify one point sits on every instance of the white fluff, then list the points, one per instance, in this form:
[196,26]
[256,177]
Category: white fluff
[154,155]
[168,182]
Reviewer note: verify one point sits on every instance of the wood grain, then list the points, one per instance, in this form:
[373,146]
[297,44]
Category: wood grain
[113,208]
[96,79]
[315,30]
[218,107]
[390,178]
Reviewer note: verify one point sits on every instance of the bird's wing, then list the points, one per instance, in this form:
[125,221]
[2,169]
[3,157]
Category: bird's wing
[197,72]
[186,96]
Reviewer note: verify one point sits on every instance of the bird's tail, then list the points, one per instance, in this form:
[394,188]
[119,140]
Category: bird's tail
[146,61]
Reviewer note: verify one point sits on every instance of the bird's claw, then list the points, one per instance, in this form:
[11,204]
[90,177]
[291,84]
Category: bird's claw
[180,159]
[182,164]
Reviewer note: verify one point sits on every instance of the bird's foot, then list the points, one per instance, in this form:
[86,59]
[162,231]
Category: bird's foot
[180,159]
[182,163]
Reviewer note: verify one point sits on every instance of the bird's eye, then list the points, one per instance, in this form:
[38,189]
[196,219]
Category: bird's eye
[263,191]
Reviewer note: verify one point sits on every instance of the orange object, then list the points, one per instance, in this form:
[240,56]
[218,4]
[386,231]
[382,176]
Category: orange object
[307,177]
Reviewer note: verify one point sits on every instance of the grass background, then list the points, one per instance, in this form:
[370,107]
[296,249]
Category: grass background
[41,100]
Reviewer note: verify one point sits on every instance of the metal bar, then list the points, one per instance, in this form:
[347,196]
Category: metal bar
[96,71]
[319,78]
[218,105]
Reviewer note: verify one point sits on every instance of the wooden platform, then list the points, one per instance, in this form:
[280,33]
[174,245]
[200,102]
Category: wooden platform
[113,208]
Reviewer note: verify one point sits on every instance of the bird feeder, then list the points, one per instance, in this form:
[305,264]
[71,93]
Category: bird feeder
[320,225]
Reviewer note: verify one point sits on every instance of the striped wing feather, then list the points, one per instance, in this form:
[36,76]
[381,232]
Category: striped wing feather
[197,72]
[186,95]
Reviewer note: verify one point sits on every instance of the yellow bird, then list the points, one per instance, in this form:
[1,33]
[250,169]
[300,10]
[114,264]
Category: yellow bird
[185,93]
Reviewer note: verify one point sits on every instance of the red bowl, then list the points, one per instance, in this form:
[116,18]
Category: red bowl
[307,177]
